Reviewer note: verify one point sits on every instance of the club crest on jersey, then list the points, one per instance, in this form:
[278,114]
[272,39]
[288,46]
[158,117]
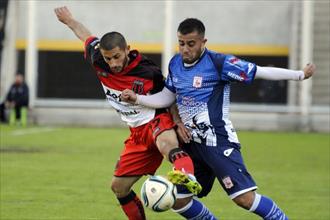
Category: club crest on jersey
[137,87]
[197,83]
[227,182]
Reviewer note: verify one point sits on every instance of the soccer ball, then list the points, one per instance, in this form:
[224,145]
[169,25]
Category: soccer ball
[158,193]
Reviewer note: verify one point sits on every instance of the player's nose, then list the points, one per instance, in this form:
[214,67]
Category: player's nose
[185,50]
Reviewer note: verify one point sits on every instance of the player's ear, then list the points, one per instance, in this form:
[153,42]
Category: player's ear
[127,50]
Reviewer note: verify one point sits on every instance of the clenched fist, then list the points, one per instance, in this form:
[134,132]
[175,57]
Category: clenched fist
[309,70]
[128,96]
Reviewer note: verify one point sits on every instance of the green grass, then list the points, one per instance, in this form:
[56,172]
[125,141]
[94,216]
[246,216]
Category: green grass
[64,173]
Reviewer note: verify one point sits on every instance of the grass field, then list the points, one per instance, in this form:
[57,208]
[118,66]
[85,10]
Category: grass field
[64,173]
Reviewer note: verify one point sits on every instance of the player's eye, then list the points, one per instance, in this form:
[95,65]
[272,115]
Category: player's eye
[181,43]
[191,43]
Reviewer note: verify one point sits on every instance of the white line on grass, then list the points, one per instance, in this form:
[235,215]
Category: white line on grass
[27,131]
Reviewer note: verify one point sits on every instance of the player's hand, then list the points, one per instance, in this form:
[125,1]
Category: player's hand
[309,70]
[128,96]
[63,14]
[184,134]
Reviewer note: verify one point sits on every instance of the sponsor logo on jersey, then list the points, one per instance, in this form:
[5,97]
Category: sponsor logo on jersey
[133,115]
[111,95]
[227,182]
[197,83]
[190,101]
[234,76]
[134,112]
[137,87]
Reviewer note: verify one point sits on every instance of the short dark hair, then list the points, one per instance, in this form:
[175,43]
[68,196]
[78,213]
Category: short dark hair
[112,40]
[190,25]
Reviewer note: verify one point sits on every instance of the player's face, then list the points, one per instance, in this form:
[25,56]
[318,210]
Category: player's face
[191,46]
[117,58]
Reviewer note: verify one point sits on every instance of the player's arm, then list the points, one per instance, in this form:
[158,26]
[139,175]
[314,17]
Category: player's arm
[273,73]
[162,99]
[183,133]
[64,15]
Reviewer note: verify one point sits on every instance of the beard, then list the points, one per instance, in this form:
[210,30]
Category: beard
[190,60]
[118,69]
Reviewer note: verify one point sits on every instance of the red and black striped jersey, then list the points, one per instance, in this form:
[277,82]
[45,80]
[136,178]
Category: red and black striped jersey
[141,75]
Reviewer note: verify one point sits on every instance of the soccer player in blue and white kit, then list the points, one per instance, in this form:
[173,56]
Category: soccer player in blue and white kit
[199,80]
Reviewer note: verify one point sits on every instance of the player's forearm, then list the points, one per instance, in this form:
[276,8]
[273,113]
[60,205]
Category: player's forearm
[175,114]
[79,30]
[273,73]
[162,99]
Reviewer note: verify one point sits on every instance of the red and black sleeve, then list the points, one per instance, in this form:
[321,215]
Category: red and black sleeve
[158,82]
[92,53]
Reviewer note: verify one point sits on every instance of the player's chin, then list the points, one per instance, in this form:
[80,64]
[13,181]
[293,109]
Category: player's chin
[187,60]
[116,70]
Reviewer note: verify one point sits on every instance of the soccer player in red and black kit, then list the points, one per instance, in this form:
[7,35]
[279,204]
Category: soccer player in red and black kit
[152,135]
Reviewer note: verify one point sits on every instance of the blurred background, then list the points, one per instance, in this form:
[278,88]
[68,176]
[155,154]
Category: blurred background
[65,91]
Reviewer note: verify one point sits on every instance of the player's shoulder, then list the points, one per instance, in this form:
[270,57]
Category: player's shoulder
[143,66]
[92,41]
[175,60]
[214,55]
[216,58]
[148,62]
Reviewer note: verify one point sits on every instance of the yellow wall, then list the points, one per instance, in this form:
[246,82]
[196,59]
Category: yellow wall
[237,49]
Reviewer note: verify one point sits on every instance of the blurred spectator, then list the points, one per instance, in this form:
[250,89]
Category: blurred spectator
[16,102]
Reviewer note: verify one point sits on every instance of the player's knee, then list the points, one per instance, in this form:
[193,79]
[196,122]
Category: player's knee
[166,142]
[180,203]
[119,189]
[245,200]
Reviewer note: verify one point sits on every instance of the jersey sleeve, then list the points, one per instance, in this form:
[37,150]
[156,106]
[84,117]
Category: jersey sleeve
[93,54]
[158,81]
[235,69]
[169,79]
[169,82]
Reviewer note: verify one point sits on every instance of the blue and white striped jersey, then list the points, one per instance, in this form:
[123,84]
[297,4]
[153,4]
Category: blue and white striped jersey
[203,94]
